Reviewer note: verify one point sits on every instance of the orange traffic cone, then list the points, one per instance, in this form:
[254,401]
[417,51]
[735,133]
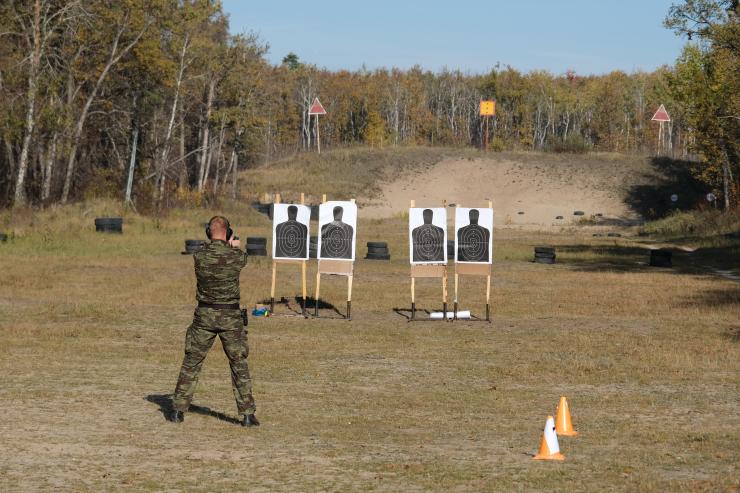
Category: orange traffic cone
[563,425]
[549,448]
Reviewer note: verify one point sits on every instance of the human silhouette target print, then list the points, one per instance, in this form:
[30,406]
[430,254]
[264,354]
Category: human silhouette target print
[473,231]
[428,235]
[337,228]
[290,231]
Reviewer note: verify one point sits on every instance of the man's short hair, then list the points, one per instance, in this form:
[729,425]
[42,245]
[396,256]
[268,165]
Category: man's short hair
[218,224]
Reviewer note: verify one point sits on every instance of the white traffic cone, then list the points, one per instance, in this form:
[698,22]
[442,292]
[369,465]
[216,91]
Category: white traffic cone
[549,448]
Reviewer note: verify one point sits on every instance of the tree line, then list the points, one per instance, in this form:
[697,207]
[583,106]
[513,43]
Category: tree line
[155,102]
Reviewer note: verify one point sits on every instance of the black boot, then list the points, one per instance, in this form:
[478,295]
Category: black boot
[176,416]
[250,420]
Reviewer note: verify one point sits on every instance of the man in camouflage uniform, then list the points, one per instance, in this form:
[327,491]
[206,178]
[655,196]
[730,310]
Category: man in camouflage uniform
[217,268]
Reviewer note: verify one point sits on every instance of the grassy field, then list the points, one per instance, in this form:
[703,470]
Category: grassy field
[93,330]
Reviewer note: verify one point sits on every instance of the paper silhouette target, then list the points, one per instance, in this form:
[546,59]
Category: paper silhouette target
[290,227]
[473,234]
[337,228]
[428,235]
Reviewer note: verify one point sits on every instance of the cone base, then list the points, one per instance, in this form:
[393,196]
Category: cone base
[571,433]
[557,456]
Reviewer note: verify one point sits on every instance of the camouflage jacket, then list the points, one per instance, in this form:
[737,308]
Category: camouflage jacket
[217,269]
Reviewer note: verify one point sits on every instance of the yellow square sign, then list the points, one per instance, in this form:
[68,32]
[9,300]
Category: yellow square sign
[487,108]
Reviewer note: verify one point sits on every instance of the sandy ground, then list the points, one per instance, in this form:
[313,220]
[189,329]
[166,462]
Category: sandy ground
[524,193]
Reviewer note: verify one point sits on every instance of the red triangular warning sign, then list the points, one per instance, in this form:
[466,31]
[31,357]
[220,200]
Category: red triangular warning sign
[316,108]
[661,115]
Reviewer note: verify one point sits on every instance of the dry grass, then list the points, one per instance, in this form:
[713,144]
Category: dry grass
[93,329]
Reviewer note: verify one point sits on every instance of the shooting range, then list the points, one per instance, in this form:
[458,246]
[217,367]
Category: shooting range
[473,248]
[428,249]
[336,246]
[290,240]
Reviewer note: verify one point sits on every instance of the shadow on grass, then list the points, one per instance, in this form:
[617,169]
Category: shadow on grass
[422,314]
[630,258]
[164,401]
[671,176]
[720,298]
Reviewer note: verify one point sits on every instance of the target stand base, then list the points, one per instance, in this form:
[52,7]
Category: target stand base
[480,270]
[302,264]
[334,267]
[438,271]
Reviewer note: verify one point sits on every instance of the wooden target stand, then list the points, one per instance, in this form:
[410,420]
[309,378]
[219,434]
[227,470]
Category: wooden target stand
[334,267]
[483,270]
[438,271]
[301,262]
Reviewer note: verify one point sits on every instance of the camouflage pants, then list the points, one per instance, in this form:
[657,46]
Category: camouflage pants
[207,324]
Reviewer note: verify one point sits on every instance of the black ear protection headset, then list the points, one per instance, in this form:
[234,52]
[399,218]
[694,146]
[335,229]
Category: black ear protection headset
[229,231]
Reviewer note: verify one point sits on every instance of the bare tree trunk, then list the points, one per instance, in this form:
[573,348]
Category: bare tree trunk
[171,124]
[183,177]
[115,56]
[51,158]
[204,143]
[132,165]
[218,154]
[235,160]
[20,189]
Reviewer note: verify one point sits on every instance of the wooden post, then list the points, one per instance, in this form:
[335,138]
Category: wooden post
[349,296]
[457,276]
[488,279]
[272,288]
[444,291]
[304,291]
[485,145]
[318,291]
[413,298]
[274,266]
[318,137]
[412,204]
[488,298]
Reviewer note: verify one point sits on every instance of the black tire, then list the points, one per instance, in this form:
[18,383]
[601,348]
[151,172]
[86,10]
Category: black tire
[377,244]
[262,252]
[256,240]
[3,237]
[558,217]
[521,213]
[614,235]
[379,251]
[378,257]
[192,246]
[544,260]
[661,258]
[579,213]
[109,225]
[544,249]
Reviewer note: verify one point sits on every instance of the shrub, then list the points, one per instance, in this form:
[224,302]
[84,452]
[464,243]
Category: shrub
[573,144]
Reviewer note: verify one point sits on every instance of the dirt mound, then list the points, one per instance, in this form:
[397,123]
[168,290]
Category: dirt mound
[526,189]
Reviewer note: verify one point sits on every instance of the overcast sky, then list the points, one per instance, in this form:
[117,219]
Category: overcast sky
[589,36]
